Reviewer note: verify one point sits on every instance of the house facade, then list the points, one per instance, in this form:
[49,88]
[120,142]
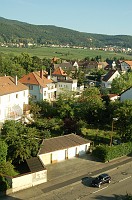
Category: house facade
[63,82]
[13,98]
[109,77]
[126,95]
[41,87]
[63,147]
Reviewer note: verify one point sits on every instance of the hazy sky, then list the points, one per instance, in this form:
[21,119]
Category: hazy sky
[112,17]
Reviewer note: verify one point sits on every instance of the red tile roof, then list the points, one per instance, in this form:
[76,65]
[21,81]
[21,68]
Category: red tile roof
[34,78]
[61,142]
[59,71]
[8,86]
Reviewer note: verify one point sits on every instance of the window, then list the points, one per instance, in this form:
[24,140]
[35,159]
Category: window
[16,96]
[30,87]
[44,93]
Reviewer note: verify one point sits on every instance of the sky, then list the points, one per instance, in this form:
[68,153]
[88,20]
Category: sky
[111,17]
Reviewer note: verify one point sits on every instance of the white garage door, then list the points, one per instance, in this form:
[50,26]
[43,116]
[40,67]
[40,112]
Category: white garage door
[72,152]
[46,158]
[61,155]
[82,149]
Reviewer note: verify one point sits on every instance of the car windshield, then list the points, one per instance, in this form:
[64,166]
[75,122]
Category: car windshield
[100,177]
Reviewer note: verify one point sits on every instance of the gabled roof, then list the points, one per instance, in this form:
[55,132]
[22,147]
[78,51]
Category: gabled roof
[59,71]
[8,85]
[61,142]
[34,78]
[108,75]
[35,164]
[129,62]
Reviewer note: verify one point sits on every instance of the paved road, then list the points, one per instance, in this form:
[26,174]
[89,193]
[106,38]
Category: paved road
[70,181]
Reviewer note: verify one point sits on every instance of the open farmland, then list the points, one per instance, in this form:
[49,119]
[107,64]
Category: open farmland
[64,53]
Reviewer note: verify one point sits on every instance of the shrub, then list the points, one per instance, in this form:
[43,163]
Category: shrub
[107,153]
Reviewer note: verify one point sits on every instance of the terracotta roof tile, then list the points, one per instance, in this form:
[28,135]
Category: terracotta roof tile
[8,86]
[61,142]
[59,71]
[34,78]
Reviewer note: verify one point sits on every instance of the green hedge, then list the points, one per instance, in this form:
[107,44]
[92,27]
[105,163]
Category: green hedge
[107,153]
[3,184]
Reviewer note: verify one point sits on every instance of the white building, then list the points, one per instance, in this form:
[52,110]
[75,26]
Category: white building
[41,87]
[109,77]
[63,147]
[13,98]
[63,82]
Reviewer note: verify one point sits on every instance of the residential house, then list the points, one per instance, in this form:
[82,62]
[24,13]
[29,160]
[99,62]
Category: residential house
[109,77]
[126,65]
[41,87]
[89,65]
[126,95]
[63,147]
[63,81]
[13,98]
[67,67]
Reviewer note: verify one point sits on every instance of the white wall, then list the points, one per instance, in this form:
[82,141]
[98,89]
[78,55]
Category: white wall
[13,103]
[27,180]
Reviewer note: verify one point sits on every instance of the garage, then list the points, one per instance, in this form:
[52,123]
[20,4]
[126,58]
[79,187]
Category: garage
[61,155]
[82,150]
[61,148]
[71,152]
[45,158]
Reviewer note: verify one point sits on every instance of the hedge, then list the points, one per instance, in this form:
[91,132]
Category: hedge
[106,153]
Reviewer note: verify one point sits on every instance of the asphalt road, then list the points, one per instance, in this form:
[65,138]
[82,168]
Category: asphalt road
[81,190]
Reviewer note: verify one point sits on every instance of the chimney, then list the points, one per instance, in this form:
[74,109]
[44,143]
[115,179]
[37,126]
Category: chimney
[41,73]
[15,80]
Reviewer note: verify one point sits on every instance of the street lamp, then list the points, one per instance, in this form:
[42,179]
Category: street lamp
[111,137]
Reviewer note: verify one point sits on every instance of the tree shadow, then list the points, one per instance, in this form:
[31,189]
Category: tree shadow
[114,197]
[3,196]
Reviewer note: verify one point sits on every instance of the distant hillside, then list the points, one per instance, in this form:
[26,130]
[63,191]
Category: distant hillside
[15,31]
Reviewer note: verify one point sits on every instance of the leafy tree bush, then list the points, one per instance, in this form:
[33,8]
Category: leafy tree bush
[3,151]
[107,153]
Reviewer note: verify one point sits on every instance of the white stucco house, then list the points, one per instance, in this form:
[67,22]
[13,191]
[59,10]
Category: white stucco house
[109,77]
[41,87]
[63,147]
[13,98]
[63,81]
[126,95]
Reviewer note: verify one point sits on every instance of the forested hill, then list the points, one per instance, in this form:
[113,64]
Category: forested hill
[12,31]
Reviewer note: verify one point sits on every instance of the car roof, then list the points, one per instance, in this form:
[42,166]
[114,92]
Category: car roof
[103,175]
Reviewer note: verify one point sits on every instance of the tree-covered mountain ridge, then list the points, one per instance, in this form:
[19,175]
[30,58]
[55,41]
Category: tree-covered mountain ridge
[13,31]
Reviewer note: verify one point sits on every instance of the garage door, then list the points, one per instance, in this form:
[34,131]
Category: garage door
[82,150]
[46,158]
[72,152]
[54,156]
[61,155]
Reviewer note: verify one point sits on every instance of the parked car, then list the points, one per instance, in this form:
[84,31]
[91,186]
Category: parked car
[101,179]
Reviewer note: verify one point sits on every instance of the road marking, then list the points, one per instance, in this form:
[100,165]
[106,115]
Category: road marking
[125,179]
[100,189]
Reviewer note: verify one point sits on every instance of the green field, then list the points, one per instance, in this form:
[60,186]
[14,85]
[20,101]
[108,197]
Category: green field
[64,53]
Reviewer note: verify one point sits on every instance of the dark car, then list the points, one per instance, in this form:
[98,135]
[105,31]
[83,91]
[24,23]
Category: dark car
[101,179]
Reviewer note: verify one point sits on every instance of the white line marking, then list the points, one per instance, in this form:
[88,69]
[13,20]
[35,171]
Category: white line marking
[125,179]
[100,189]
